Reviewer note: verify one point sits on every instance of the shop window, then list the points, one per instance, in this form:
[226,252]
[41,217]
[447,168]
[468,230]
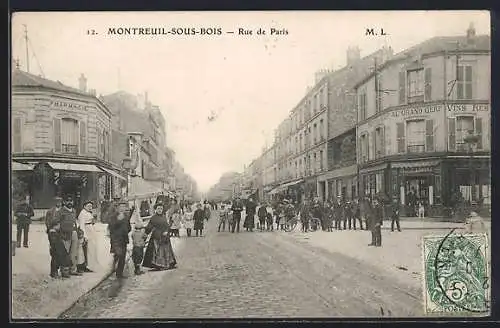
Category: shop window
[464,82]
[69,136]
[379,142]
[464,127]
[362,106]
[416,86]
[415,135]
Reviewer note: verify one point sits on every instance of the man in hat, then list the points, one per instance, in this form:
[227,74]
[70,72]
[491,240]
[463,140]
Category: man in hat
[376,220]
[236,208]
[59,257]
[23,213]
[139,237]
[338,209]
[69,234]
[395,215]
[119,228]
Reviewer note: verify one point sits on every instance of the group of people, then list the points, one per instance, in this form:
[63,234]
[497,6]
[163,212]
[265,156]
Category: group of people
[338,214]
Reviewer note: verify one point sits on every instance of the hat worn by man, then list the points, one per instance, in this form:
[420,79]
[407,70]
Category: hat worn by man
[157,204]
[87,202]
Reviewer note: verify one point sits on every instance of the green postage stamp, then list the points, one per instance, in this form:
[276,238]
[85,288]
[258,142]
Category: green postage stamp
[456,274]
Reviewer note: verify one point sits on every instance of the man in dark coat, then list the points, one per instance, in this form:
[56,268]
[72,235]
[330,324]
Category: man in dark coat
[356,212]
[348,215]
[69,234]
[119,228]
[317,213]
[262,214]
[304,216]
[23,213]
[395,215]
[338,209]
[59,257]
[376,220]
[237,208]
[251,208]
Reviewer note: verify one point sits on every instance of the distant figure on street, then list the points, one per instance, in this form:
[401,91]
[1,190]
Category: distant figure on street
[338,213]
[139,237]
[187,220]
[304,215]
[206,210]
[199,217]
[376,220]
[59,256]
[223,217]
[119,228]
[236,208]
[23,213]
[250,215]
[262,214]
[317,213]
[395,215]
[159,253]
[86,223]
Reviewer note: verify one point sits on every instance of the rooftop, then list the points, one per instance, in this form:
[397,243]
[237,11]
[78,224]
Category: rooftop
[21,79]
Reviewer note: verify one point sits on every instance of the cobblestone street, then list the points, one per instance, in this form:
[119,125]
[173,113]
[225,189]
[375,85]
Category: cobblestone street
[256,274]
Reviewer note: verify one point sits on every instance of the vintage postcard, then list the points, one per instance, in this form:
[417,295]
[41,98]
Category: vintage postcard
[273,164]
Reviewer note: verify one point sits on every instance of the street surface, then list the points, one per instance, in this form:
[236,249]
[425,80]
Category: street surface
[226,275]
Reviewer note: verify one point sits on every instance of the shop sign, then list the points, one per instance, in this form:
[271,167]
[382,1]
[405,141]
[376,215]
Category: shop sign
[468,108]
[422,169]
[71,174]
[417,110]
[67,105]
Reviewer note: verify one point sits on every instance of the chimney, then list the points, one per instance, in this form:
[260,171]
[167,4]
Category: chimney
[92,92]
[353,55]
[82,83]
[471,33]
[146,100]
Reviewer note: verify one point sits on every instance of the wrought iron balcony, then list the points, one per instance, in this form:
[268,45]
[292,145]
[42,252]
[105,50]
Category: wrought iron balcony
[416,148]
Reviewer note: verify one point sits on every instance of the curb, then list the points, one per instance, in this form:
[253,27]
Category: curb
[106,276]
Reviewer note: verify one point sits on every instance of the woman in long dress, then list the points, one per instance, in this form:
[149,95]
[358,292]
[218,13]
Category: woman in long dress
[159,253]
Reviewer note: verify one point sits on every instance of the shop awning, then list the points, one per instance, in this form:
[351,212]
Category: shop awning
[284,186]
[74,167]
[414,165]
[113,173]
[140,188]
[21,167]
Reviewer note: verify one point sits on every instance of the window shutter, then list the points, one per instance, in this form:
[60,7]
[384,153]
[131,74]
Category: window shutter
[57,135]
[402,87]
[127,147]
[382,141]
[374,145]
[429,135]
[16,135]
[479,132]
[83,138]
[451,134]
[428,84]
[400,136]
[468,80]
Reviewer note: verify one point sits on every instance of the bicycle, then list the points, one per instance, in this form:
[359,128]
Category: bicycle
[291,223]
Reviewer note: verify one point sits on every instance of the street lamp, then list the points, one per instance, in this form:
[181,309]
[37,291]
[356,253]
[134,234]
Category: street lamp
[127,166]
[471,141]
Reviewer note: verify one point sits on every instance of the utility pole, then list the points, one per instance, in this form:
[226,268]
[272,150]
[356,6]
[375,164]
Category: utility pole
[27,51]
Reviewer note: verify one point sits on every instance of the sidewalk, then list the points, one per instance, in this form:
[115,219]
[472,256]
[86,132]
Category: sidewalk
[34,293]
[401,252]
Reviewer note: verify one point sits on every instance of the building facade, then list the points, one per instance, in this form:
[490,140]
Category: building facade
[423,132]
[65,134]
[339,179]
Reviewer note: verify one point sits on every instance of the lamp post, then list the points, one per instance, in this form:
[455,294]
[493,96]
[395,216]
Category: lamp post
[127,165]
[471,141]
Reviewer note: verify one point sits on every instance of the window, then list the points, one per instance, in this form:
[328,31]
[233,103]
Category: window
[315,132]
[464,82]
[315,163]
[321,137]
[321,160]
[379,142]
[69,136]
[415,134]
[362,106]
[416,86]
[464,127]
[364,148]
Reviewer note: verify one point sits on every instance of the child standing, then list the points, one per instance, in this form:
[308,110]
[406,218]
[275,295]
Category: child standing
[188,222]
[139,237]
[223,217]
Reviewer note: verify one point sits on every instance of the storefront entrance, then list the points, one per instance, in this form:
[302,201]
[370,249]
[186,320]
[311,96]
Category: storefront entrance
[416,191]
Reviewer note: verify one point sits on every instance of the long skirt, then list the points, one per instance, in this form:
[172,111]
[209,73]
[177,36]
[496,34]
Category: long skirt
[249,221]
[159,255]
[92,246]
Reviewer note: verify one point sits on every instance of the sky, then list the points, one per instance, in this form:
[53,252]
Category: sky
[247,83]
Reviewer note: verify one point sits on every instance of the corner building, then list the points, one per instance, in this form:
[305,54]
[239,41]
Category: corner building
[423,132]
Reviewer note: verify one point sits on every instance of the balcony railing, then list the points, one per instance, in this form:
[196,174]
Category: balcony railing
[69,149]
[415,99]
[416,148]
